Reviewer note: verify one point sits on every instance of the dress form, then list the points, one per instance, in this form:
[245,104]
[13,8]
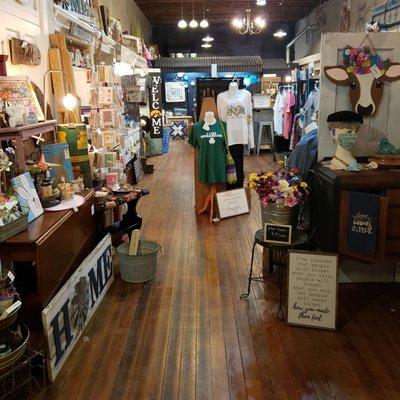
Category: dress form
[209,120]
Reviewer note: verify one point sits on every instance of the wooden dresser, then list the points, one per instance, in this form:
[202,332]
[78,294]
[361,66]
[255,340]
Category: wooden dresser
[326,196]
[56,242]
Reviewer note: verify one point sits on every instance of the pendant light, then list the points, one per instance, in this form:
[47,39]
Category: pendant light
[206,45]
[204,23]
[208,39]
[193,23]
[182,24]
[280,33]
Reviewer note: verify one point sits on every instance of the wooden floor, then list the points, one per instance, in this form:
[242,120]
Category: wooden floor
[188,336]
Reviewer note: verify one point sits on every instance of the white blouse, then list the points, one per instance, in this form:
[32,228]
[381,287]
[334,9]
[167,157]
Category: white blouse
[237,111]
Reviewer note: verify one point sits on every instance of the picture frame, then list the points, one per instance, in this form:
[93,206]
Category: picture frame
[261,101]
[305,305]
[175,92]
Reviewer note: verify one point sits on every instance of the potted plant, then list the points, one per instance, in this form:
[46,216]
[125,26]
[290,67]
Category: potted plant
[281,192]
[6,298]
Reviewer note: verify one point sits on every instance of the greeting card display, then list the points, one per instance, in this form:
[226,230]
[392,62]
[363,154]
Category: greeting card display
[27,196]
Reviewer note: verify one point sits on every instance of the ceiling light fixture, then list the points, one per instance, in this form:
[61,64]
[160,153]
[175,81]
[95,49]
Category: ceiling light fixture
[280,33]
[206,45]
[246,25]
[193,23]
[204,23]
[261,2]
[182,24]
[208,38]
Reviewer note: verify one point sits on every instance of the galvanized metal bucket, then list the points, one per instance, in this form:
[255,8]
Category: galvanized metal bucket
[274,214]
[143,266]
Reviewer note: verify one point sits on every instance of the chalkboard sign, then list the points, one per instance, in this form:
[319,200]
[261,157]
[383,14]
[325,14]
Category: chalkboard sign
[312,289]
[232,203]
[280,234]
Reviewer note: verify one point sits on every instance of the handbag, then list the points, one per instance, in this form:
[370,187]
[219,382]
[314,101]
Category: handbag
[231,177]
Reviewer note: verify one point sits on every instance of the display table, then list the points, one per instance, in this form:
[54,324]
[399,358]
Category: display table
[22,133]
[326,196]
[57,242]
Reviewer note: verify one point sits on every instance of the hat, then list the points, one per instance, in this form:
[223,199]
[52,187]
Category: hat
[345,116]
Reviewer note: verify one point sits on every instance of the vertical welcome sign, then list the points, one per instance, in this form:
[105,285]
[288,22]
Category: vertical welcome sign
[68,313]
[155,105]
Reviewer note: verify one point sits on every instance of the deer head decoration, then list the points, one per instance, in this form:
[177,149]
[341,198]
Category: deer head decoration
[365,74]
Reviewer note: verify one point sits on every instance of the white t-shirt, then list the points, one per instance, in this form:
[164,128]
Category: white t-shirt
[237,111]
[278,113]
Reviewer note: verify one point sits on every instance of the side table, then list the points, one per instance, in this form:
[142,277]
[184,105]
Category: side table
[299,238]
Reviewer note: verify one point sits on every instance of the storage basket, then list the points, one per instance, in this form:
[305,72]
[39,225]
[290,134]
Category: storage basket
[13,228]
[143,266]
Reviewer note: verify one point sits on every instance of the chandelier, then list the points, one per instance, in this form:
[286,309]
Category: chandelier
[246,25]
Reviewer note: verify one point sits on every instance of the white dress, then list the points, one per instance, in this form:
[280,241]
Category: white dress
[237,111]
[278,113]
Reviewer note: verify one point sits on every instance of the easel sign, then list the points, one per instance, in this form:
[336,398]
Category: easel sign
[232,203]
[312,289]
[279,234]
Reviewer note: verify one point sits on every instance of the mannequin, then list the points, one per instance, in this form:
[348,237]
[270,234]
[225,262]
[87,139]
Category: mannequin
[344,127]
[236,109]
[209,120]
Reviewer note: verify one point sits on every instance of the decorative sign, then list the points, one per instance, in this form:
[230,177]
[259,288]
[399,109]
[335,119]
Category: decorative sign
[81,33]
[155,106]
[81,7]
[68,313]
[232,203]
[280,234]
[261,101]
[312,289]
[175,92]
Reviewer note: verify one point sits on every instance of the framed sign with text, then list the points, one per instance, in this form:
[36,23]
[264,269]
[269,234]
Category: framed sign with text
[312,289]
[232,203]
[279,234]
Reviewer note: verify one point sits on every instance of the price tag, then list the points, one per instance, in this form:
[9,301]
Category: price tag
[376,72]
[11,276]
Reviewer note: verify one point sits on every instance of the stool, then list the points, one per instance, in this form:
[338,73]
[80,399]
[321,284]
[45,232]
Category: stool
[298,238]
[268,133]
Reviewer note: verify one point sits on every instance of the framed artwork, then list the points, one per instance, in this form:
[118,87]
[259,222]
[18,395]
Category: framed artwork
[105,95]
[261,101]
[109,139]
[107,117]
[27,196]
[18,90]
[175,92]
[312,289]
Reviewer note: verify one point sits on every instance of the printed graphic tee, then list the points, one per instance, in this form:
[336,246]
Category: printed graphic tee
[211,146]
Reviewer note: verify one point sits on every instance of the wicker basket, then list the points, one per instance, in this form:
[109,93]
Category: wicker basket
[13,228]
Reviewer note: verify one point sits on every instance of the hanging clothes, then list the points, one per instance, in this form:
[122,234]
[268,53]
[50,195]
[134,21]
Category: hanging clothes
[278,113]
[289,103]
[311,107]
[296,130]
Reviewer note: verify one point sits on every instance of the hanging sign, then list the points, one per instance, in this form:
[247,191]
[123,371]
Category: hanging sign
[312,289]
[279,234]
[68,313]
[81,7]
[81,33]
[155,106]
[232,203]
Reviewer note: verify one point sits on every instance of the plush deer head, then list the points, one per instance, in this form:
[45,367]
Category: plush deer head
[365,75]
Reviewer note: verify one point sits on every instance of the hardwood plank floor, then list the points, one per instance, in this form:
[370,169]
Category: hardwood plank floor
[187,335]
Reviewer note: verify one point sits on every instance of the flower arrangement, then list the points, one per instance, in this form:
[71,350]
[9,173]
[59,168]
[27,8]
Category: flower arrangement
[360,61]
[283,187]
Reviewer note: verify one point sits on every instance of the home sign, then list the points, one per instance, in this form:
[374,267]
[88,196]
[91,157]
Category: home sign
[68,313]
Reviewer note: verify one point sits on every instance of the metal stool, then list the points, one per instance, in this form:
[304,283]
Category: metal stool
[268,133]
[299,239]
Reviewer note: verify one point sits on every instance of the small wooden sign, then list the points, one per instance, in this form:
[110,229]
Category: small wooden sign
[280,234]
[312,289]
[232,203]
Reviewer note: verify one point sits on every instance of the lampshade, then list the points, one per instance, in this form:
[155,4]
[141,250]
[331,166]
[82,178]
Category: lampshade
[193,23]
[204,24]
[182,24]
[280,33]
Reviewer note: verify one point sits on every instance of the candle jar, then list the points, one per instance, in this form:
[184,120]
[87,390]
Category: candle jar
[46,188]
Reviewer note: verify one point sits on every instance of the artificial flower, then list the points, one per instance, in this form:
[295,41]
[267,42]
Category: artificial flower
[283,184]
[290,201]
[303,185]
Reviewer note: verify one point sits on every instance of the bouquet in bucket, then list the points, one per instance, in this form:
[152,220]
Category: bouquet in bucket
[284,188]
